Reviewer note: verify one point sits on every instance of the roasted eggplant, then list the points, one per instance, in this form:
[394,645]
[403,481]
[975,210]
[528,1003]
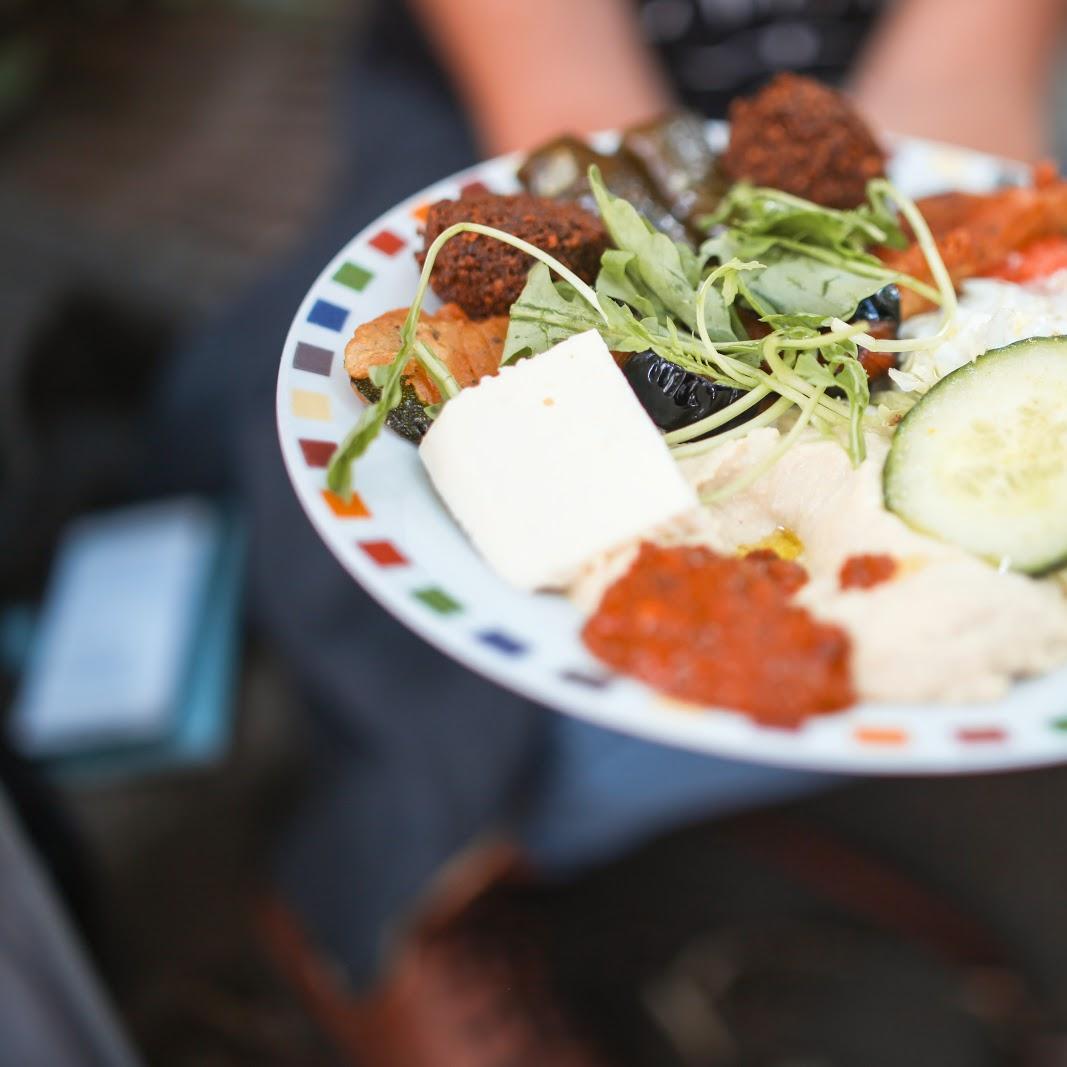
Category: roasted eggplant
[408,418]
[883,306]
[674,397]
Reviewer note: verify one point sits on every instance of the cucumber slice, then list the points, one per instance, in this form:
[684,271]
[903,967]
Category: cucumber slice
[981,460]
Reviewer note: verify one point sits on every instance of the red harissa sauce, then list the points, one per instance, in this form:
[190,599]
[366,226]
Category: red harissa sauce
[865,571]
[722,630]
[1040,258]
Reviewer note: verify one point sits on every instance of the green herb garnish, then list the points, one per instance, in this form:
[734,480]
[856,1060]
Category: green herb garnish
[799,268]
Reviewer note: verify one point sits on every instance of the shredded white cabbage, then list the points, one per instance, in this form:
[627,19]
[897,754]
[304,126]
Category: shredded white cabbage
[991,314]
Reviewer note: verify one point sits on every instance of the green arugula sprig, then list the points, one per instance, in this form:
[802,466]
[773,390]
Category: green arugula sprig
[821,255]
[800,268]
[655,294]
[645,293]
[758,211]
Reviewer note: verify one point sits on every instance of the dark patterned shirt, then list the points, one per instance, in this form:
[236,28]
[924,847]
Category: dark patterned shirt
[716,49]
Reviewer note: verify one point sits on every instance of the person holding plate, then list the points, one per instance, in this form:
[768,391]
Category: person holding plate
[418,760]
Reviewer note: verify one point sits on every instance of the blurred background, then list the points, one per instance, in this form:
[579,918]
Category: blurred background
[157,161]
[141,190]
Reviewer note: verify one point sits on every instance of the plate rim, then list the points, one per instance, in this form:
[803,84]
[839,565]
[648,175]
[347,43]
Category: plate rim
[666,726]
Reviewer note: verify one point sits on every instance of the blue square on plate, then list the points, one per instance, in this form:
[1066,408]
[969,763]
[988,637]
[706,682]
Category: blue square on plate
[502,642]
[331,316]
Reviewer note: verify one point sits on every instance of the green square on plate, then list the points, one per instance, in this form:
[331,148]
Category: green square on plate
[438,600]
[355,277]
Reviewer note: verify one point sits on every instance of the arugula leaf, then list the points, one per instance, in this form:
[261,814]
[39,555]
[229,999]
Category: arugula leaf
[625,332]
[792,284]
[734,244]
[812,370]
[659,272]
[616,282]
[757,211]
[816,261]
[643,286]
[836,367]
[389,379]
[785,323]
[730,273]
[546,313]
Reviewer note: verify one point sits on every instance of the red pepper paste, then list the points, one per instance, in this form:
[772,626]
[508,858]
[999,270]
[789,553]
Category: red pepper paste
[878,364]
[722,630]
[1040,258]
[865,571]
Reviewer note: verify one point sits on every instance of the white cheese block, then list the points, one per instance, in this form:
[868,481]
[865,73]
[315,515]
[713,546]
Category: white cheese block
[552,462]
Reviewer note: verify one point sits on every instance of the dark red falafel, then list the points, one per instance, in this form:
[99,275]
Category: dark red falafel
[801,136]
[485,276]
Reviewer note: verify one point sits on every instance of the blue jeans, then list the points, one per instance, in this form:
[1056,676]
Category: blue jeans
[602,792]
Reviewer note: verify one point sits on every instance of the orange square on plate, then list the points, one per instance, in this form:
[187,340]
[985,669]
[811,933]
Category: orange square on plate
[352,509]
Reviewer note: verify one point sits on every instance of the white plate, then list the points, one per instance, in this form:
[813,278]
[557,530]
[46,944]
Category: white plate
[401,545]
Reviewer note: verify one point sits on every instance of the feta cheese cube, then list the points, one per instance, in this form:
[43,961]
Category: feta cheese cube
[552,462]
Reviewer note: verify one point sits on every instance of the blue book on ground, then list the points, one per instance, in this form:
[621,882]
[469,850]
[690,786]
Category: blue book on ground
[131,670]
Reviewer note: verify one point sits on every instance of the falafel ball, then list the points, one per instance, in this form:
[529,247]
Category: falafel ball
[484,276]
[801,136]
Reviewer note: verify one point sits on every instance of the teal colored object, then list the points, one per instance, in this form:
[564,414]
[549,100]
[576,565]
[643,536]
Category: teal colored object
[197,730]
[203,725]
[17,627]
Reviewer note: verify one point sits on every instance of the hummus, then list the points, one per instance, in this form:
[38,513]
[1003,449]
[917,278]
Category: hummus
[947,627]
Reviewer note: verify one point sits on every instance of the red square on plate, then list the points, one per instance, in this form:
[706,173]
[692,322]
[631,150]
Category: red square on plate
[384,553]
[386,241]
[990,735]
[317,453]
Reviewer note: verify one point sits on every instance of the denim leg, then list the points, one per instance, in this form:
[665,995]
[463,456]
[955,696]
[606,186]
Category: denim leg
[601,793]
